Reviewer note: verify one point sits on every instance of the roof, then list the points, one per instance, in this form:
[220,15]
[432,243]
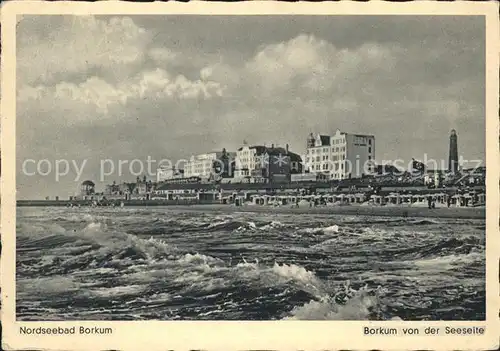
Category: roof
[387,168]
[88,182]
[294,157]
[276,151]
[259,148]
[325,140]
[362,135]
[187,186]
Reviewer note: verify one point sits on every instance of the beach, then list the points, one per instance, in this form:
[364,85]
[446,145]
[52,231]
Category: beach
[364,210]
[385,211]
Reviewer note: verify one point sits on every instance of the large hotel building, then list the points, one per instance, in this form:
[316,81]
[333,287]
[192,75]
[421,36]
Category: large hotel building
[203,165]
[342,155]
[335,157]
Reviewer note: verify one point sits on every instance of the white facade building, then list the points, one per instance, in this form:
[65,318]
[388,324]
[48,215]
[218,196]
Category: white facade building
[201,165]
[342,155]
[245,161]
[319,152]
[164,173]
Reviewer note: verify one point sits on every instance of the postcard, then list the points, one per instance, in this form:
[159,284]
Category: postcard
[250,176]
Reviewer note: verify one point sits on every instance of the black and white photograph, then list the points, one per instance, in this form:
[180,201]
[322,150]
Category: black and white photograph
[250,168]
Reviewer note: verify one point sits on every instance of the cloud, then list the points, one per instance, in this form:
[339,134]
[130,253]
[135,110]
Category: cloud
[165,99]
[362,88]
[302,55]
[76,45]
[163,55]
[95,91]
[316,65]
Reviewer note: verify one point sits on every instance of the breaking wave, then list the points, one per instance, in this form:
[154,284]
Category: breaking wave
[152,264]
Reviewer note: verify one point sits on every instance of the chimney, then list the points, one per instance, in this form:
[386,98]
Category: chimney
[286,148]
[272,146]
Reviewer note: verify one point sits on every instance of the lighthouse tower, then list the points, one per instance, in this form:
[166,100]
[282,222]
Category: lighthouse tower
[453,155]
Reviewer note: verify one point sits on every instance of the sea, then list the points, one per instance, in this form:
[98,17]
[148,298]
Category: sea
[162,263]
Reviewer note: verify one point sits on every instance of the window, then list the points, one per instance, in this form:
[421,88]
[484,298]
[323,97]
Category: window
[369,141]
[369,157]
[317,159]
[370,150]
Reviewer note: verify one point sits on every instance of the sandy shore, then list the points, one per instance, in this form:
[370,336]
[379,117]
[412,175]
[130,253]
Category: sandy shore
[391,211]
[454,212]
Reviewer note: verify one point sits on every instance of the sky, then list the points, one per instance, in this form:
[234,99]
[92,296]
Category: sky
[96,90]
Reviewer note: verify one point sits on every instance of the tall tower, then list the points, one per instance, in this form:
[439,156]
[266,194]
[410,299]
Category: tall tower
[453,156]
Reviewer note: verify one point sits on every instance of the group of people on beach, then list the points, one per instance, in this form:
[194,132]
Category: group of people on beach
[432,203]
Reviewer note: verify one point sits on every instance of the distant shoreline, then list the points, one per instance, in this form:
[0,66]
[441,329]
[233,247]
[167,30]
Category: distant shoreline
[388,211]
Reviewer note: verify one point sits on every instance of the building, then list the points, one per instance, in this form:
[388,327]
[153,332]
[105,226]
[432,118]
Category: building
[87,188]
[274,165]
[387,169]
[453,152]
[246,158]
[206,166]
[342,155]
[143,186]
[112,189]
[319,154]
[308,177]
[417,166]
[434,177]
[164,173]
[267,164]
[126,188]
[224,166]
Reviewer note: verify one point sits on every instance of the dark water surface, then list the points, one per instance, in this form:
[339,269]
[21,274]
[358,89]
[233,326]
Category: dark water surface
[170,264]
